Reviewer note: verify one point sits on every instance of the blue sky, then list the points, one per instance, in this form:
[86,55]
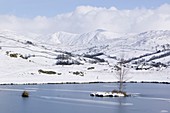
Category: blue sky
[49,8]
[80,16]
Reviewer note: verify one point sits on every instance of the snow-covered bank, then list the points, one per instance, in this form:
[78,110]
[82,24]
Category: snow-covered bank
[78,74]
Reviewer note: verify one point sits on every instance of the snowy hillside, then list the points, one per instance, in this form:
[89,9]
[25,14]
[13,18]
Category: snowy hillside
[92,38]
[88,57]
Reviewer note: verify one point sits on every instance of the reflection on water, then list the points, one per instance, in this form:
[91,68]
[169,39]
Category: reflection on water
[72,98]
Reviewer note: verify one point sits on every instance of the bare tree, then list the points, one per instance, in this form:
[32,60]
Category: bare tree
[121,74]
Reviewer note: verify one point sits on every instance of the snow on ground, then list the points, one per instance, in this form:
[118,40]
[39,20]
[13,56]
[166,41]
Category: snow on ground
[43,57]
[24,72]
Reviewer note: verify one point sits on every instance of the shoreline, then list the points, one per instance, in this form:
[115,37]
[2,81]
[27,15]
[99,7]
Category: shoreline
[131,82]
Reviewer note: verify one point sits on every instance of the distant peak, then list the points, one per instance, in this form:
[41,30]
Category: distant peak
[63,32]
[100,30]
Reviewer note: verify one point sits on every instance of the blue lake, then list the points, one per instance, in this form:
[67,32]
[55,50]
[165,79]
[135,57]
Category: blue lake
[75,98]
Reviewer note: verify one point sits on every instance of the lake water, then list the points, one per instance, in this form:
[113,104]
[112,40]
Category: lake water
[74,98]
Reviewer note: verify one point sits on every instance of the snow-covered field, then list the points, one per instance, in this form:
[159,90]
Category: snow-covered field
[92,57]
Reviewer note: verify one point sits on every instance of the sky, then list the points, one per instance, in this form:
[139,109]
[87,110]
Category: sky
[32,8]
[79,16]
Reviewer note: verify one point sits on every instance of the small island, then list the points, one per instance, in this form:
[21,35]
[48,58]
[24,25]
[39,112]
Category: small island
[113,93]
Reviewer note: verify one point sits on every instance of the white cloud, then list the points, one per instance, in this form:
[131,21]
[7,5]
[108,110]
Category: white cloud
[87,18]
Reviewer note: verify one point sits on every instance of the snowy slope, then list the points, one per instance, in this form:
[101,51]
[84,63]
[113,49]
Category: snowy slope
[152,40]
[87,57]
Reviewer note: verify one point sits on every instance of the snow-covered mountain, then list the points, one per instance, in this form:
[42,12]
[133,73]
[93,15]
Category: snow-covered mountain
[153,40]
[89,55]
[92,38]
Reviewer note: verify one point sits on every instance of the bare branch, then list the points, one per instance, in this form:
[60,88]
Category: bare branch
[121,73]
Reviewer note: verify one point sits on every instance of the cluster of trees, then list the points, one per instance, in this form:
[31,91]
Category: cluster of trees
[30,43]
[94,57]
[160,56]
[46,72]
[78,73]
[162,47]
[64,59]
[16,55]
